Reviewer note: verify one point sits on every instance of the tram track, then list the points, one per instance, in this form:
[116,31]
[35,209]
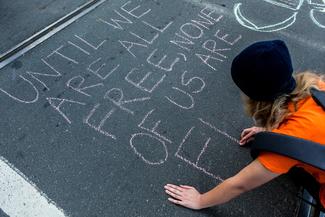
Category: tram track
[23,47]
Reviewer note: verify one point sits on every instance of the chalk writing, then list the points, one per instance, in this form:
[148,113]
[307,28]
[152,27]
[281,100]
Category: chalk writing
[159,65]
[27,101]
[116,96]
[56,103]
[294,6]
[117,22]
[187,107]
[211,45]
[192,31]
[225,36]
[196,163]
[81,49]
[148,41]
[202,151]
[182,41]
[96,71]
[99,127]
[207,60]
[161,30]
[204,21]
[128,45]
[211,14]
[148,136]
[195,29]
[95,47]
[57,73]
[56,51]
[131,11]
[36,75]
[157,80]
[192,80]
[318,11]
[71,84]
[150,142]
[182,55]
[193,158]
[154,128]
[218,130]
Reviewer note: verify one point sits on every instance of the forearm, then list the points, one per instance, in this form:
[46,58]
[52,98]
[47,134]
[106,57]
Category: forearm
[222,193]
[252,176]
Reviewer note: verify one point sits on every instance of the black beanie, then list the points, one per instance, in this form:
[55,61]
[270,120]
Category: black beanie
[263,71]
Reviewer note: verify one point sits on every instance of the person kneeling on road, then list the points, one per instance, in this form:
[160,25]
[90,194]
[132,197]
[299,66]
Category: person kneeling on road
[279,101]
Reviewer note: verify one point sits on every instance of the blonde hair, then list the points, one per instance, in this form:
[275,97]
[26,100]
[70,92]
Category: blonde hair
[270,114]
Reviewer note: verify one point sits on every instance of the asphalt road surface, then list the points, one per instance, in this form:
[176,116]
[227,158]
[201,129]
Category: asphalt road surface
[21,19]
[96,119]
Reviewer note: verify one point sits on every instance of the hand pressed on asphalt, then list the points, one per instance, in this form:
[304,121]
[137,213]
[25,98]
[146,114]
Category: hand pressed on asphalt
[184,195]
[248,134]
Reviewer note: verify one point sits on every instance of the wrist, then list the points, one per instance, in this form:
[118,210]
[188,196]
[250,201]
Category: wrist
[201,203]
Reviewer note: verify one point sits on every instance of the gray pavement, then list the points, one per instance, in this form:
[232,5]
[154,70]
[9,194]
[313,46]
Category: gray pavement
[21,19]
[99,120]
[2,214]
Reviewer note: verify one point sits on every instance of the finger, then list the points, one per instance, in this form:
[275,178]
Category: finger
[176,201]
[242,142]
[245,131]
[247,139]
[174,195]
[250,139]
[174,187]
[187,186]
[174,191]
[247,136]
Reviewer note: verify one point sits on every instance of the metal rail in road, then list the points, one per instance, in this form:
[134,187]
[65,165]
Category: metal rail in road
[31,42]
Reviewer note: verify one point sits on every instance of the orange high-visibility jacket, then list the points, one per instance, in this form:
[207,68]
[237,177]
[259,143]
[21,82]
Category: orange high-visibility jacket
[307,122]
